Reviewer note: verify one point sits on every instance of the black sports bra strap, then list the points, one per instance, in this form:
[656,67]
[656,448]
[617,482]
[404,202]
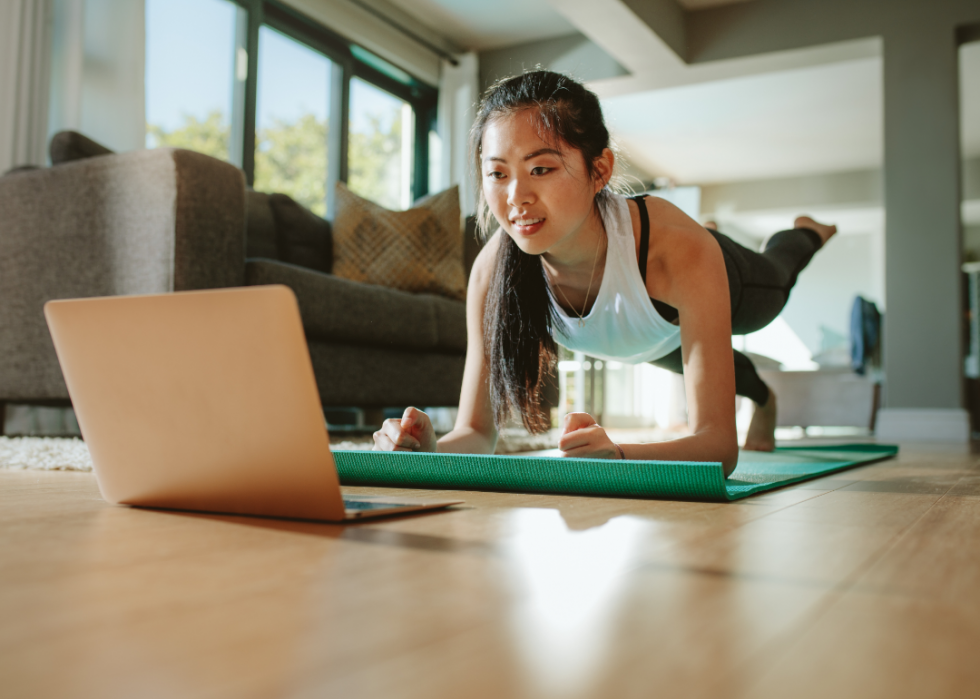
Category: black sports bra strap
[666,311]
[644,236]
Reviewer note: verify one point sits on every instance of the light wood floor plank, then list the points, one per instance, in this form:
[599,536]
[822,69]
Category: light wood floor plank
[861,584]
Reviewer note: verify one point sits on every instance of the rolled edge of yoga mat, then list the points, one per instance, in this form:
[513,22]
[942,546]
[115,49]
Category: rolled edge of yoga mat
[530,474]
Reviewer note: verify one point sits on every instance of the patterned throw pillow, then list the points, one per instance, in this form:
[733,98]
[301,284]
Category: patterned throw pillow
[419,250]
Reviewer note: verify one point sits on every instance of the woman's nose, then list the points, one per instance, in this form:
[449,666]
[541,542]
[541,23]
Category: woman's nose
[519,192]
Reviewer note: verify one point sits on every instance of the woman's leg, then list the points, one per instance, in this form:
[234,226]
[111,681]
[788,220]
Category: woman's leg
[759,282]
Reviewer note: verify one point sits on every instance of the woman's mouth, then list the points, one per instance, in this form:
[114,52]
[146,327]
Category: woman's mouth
[527,226]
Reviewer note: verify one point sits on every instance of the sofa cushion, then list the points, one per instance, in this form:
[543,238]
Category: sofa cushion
[302,237]
[419,250]
[351,312]
[385,376]
[66,146]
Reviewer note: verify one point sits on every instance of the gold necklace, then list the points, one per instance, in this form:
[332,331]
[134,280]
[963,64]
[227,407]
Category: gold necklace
[581,316]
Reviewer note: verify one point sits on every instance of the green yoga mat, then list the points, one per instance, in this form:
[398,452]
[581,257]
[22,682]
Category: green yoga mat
[687,480]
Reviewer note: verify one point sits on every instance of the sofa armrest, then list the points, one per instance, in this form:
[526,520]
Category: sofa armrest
[142,222]
[209,231]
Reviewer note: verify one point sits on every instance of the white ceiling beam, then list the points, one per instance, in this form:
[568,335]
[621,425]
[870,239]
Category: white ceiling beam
[654,64]
[619,32]
[665,76]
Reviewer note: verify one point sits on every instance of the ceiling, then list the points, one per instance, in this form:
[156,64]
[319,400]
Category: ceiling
[726,121]
[796,122]
[478,25]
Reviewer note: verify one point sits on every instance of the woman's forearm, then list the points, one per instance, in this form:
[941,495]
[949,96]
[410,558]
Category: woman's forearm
[466,440]
[705,446]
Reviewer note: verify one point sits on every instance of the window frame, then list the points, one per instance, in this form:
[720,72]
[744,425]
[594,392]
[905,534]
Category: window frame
[251,17]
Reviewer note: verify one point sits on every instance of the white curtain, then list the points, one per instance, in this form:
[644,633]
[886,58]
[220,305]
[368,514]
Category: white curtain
[97,71]
[459,92]
[25,42]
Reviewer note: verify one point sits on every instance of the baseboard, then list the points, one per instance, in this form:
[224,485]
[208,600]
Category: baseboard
[922,425]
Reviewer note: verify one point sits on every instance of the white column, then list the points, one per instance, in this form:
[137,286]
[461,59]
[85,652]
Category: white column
[459,92]
[25,41]
[922,348]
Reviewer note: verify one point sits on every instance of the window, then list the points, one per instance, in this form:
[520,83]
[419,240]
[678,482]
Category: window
[292,120]
[190,50]
[298,107]
[381,146]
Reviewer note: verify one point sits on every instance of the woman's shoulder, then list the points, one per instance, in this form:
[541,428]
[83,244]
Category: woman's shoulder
[667,221]
[678,243]
[483,265]
[488,253]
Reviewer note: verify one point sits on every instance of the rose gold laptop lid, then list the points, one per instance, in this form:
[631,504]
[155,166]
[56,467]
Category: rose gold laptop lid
[199,401]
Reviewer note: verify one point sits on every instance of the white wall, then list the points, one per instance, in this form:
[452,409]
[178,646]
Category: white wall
[848,266]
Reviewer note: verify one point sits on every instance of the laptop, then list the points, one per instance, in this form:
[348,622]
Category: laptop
[205,401]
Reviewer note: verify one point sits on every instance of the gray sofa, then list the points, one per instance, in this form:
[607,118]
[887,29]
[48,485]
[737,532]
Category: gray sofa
[165,220]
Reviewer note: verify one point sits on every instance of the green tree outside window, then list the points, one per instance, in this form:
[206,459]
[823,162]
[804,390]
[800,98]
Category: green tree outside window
[291,157]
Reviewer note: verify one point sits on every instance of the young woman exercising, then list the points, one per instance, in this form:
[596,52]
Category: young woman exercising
[625,279]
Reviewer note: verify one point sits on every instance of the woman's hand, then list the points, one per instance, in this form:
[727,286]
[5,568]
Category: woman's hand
[412,432]
[583,438]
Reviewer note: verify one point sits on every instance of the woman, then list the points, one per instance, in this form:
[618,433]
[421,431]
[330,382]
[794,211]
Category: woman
[629,279]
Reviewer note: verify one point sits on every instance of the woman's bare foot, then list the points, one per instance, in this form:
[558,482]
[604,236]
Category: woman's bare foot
[762,427]
[824,231]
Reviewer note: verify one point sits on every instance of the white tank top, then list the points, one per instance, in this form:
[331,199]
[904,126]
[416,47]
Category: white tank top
[623,325]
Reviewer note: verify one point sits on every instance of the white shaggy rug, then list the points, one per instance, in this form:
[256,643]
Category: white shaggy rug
[70,454]
[44,454]
[61,454]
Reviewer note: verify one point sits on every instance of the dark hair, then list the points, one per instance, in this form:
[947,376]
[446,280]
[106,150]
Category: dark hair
[518,316]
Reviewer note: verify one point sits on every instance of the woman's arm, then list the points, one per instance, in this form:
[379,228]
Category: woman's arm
[686,269]
[474,432]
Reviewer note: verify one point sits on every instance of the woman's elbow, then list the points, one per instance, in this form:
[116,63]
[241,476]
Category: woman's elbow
[729,462]
[727,454]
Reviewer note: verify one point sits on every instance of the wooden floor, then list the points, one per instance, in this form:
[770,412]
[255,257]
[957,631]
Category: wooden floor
[862,584]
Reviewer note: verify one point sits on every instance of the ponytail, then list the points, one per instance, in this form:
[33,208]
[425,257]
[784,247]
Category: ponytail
[517,326]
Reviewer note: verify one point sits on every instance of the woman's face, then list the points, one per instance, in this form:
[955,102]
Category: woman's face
[539,192]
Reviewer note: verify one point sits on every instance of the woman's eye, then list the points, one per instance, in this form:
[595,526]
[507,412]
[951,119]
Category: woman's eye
[495,175]
[541,170]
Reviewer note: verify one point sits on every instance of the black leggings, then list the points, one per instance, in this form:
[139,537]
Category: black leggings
[759,286]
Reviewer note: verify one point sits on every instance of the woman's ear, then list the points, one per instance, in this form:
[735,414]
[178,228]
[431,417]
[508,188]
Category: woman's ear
[604,168]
